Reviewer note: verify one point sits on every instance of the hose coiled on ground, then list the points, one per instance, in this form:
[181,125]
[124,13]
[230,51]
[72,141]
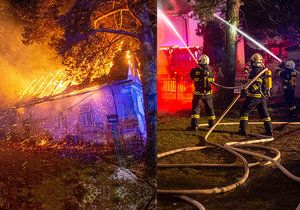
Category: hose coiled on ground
[233,148]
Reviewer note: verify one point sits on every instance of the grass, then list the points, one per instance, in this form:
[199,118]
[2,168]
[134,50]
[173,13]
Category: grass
[32,177]
[266,188]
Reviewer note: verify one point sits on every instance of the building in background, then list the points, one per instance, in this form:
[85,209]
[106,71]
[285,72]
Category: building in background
[175,61]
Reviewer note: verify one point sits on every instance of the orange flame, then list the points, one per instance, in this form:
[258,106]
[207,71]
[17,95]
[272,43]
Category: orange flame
[51,84]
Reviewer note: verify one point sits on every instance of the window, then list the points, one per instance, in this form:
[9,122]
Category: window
[86,115]
[86,119]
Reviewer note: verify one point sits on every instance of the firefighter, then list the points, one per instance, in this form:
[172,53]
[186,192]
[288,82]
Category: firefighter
[256,95]
[202,76]
[289,76]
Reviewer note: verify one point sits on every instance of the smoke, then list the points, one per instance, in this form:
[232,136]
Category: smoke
[175,6]
[20,64]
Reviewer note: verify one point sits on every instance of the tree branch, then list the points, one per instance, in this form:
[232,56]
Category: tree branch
[121,8]
[112,31]
[108,14]
[134,15]
[269,15]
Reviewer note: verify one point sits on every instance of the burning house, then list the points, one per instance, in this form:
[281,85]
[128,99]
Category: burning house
[79,114]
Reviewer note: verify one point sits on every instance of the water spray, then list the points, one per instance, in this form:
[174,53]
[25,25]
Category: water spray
[162,16]
[248,37]
[231,147]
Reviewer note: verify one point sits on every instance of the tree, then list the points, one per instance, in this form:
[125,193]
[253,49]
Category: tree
[232,16]
[204,11]
[272,20]
[272,17]
[263,19]
[88,34]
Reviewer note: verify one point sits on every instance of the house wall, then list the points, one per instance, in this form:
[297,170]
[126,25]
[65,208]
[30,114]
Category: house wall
[185,26]
[84,115]
[130,109]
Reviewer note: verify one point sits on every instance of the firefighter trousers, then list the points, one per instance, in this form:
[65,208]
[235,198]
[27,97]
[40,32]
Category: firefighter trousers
[289,95]
[248,106]
[196,109]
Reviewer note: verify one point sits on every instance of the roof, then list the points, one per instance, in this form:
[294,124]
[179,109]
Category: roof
[57,86]
[74,93]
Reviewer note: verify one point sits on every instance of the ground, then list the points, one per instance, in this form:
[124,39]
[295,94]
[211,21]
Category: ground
[266,188]
[65,177]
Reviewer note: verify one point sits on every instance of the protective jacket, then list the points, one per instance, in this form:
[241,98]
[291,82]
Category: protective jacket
[262,86]
[202,77]
[289,77]
[256,96]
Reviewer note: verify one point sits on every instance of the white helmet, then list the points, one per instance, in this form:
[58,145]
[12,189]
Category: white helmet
[290,64]
[203,60]
[256,57]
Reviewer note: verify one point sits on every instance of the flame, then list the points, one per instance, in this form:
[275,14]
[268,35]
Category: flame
[42,142]
[128,56]
[51,84]
[56,83]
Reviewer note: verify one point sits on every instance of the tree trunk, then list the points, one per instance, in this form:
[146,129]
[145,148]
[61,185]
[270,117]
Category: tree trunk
[213,45]
[148,48]
[232,16]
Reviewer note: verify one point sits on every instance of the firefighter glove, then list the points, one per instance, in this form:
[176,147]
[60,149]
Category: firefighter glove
[244,92]
[282,65]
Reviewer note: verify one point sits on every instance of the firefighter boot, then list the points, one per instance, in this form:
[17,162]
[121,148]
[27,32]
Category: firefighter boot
[193,126]
[211,123]
[194,122]
[268,128]
[243,127]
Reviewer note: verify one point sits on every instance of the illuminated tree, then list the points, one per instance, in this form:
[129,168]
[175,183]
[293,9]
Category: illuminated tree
[89,34]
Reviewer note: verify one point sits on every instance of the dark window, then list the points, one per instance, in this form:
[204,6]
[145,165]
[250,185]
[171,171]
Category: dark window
[86,115]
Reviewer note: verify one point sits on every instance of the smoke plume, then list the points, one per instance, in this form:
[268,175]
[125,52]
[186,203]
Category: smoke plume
[20,64]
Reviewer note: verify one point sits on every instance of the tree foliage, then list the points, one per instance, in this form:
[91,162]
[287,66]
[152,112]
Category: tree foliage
[271,18]
[204,9]
[87,34]
[261,18]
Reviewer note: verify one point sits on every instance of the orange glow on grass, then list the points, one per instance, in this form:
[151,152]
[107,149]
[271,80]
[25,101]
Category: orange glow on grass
[42,142]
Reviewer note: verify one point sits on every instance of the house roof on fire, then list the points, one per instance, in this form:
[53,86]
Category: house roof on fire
[54,86]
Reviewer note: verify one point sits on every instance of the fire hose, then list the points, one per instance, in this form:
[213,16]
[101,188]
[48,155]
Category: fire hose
[235,148]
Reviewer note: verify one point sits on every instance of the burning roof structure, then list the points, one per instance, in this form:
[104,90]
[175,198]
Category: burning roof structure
[58,108]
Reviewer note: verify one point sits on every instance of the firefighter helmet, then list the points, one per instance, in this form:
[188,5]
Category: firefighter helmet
[256,57]
[290,64]
[203,60]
